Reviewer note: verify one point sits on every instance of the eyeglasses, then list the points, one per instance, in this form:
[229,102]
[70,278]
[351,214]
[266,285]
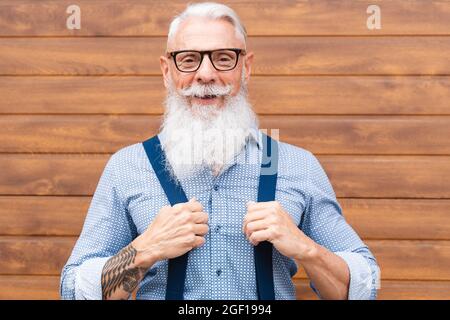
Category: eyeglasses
[191,60]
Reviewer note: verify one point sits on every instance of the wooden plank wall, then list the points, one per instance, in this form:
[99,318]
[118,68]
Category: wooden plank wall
[373,105]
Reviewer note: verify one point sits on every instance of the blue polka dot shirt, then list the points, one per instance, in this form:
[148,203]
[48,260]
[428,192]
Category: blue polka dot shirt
[128,197]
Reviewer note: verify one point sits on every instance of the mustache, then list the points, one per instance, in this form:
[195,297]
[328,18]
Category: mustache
[200,90]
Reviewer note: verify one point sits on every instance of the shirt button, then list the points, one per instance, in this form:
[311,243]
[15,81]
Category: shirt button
[218,272]
[216,187]
[218,228]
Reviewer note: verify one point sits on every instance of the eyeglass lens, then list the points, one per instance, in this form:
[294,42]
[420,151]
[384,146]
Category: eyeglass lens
[221,59]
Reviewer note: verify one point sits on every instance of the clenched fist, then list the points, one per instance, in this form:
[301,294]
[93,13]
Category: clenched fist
[174,231]
[268,221]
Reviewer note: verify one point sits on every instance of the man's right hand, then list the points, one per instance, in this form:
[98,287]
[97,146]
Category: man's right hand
[174,231]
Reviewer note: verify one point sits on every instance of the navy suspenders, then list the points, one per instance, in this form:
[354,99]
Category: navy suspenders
[266,192]
[175,194]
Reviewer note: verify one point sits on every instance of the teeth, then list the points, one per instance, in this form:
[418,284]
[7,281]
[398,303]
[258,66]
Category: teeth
[206,96]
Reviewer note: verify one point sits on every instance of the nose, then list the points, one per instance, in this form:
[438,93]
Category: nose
[206,73]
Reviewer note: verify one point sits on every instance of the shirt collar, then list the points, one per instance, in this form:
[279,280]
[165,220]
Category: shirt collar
[255,137]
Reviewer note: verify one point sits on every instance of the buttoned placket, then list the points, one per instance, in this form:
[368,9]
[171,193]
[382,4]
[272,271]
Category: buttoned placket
[218,245]
[218,218]
[217,212]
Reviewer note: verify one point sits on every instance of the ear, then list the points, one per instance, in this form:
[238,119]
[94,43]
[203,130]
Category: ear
[248,62]
[164,65]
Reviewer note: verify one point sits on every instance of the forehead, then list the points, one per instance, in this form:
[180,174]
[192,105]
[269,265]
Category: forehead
[205,34]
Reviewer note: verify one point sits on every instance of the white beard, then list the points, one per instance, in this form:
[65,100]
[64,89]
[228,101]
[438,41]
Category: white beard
[205,137]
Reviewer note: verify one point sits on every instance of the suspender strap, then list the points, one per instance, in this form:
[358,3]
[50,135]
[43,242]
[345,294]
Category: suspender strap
[266,192]
[175,194]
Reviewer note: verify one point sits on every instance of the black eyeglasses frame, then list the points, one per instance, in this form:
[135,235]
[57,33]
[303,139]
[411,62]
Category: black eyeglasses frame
[237,51]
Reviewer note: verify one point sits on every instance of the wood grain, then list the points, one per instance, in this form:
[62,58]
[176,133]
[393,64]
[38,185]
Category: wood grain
[47,288]
[295,56]
[392,290]
[301,17]
[398,259]
[388,176]
[80,56]
[34,255]
[51,174]
[321,135]
[65,95]
[29,287]
[351,176]
[41,215]
[398,218]
[371,218]
[408,259]
[372,105]
[372,95]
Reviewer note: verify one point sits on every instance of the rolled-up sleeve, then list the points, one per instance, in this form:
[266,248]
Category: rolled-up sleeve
[107,229]
[324,222]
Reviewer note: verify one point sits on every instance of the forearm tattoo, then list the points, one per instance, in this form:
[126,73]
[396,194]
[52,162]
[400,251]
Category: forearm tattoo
[117,272]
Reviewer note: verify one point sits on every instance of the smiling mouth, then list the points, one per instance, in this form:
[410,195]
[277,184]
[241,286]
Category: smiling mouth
[206,97]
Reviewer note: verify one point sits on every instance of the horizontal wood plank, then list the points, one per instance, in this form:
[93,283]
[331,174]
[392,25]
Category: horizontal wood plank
[388,176]
[29,287]
[42,215]
[51,174]
[392,290]
[294,56]
[351,176]
[371,218]
[269,95]
[47,288]
[398,218]
[416,260]
[78,56]
[350,95]
[301,17]
[398,259]
[113,95]
[408,259]
[319,134]
[34,255]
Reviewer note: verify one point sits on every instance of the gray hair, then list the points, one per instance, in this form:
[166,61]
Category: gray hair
[211,10]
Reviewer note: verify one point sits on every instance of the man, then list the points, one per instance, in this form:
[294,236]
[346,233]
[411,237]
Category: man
[213,150]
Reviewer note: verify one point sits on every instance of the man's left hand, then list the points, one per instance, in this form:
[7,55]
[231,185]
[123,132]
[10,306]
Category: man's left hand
[268,221]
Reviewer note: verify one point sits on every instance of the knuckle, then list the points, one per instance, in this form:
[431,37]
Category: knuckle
[185,217]
[275,231]
[189,215]
[274,220]
[190,239]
